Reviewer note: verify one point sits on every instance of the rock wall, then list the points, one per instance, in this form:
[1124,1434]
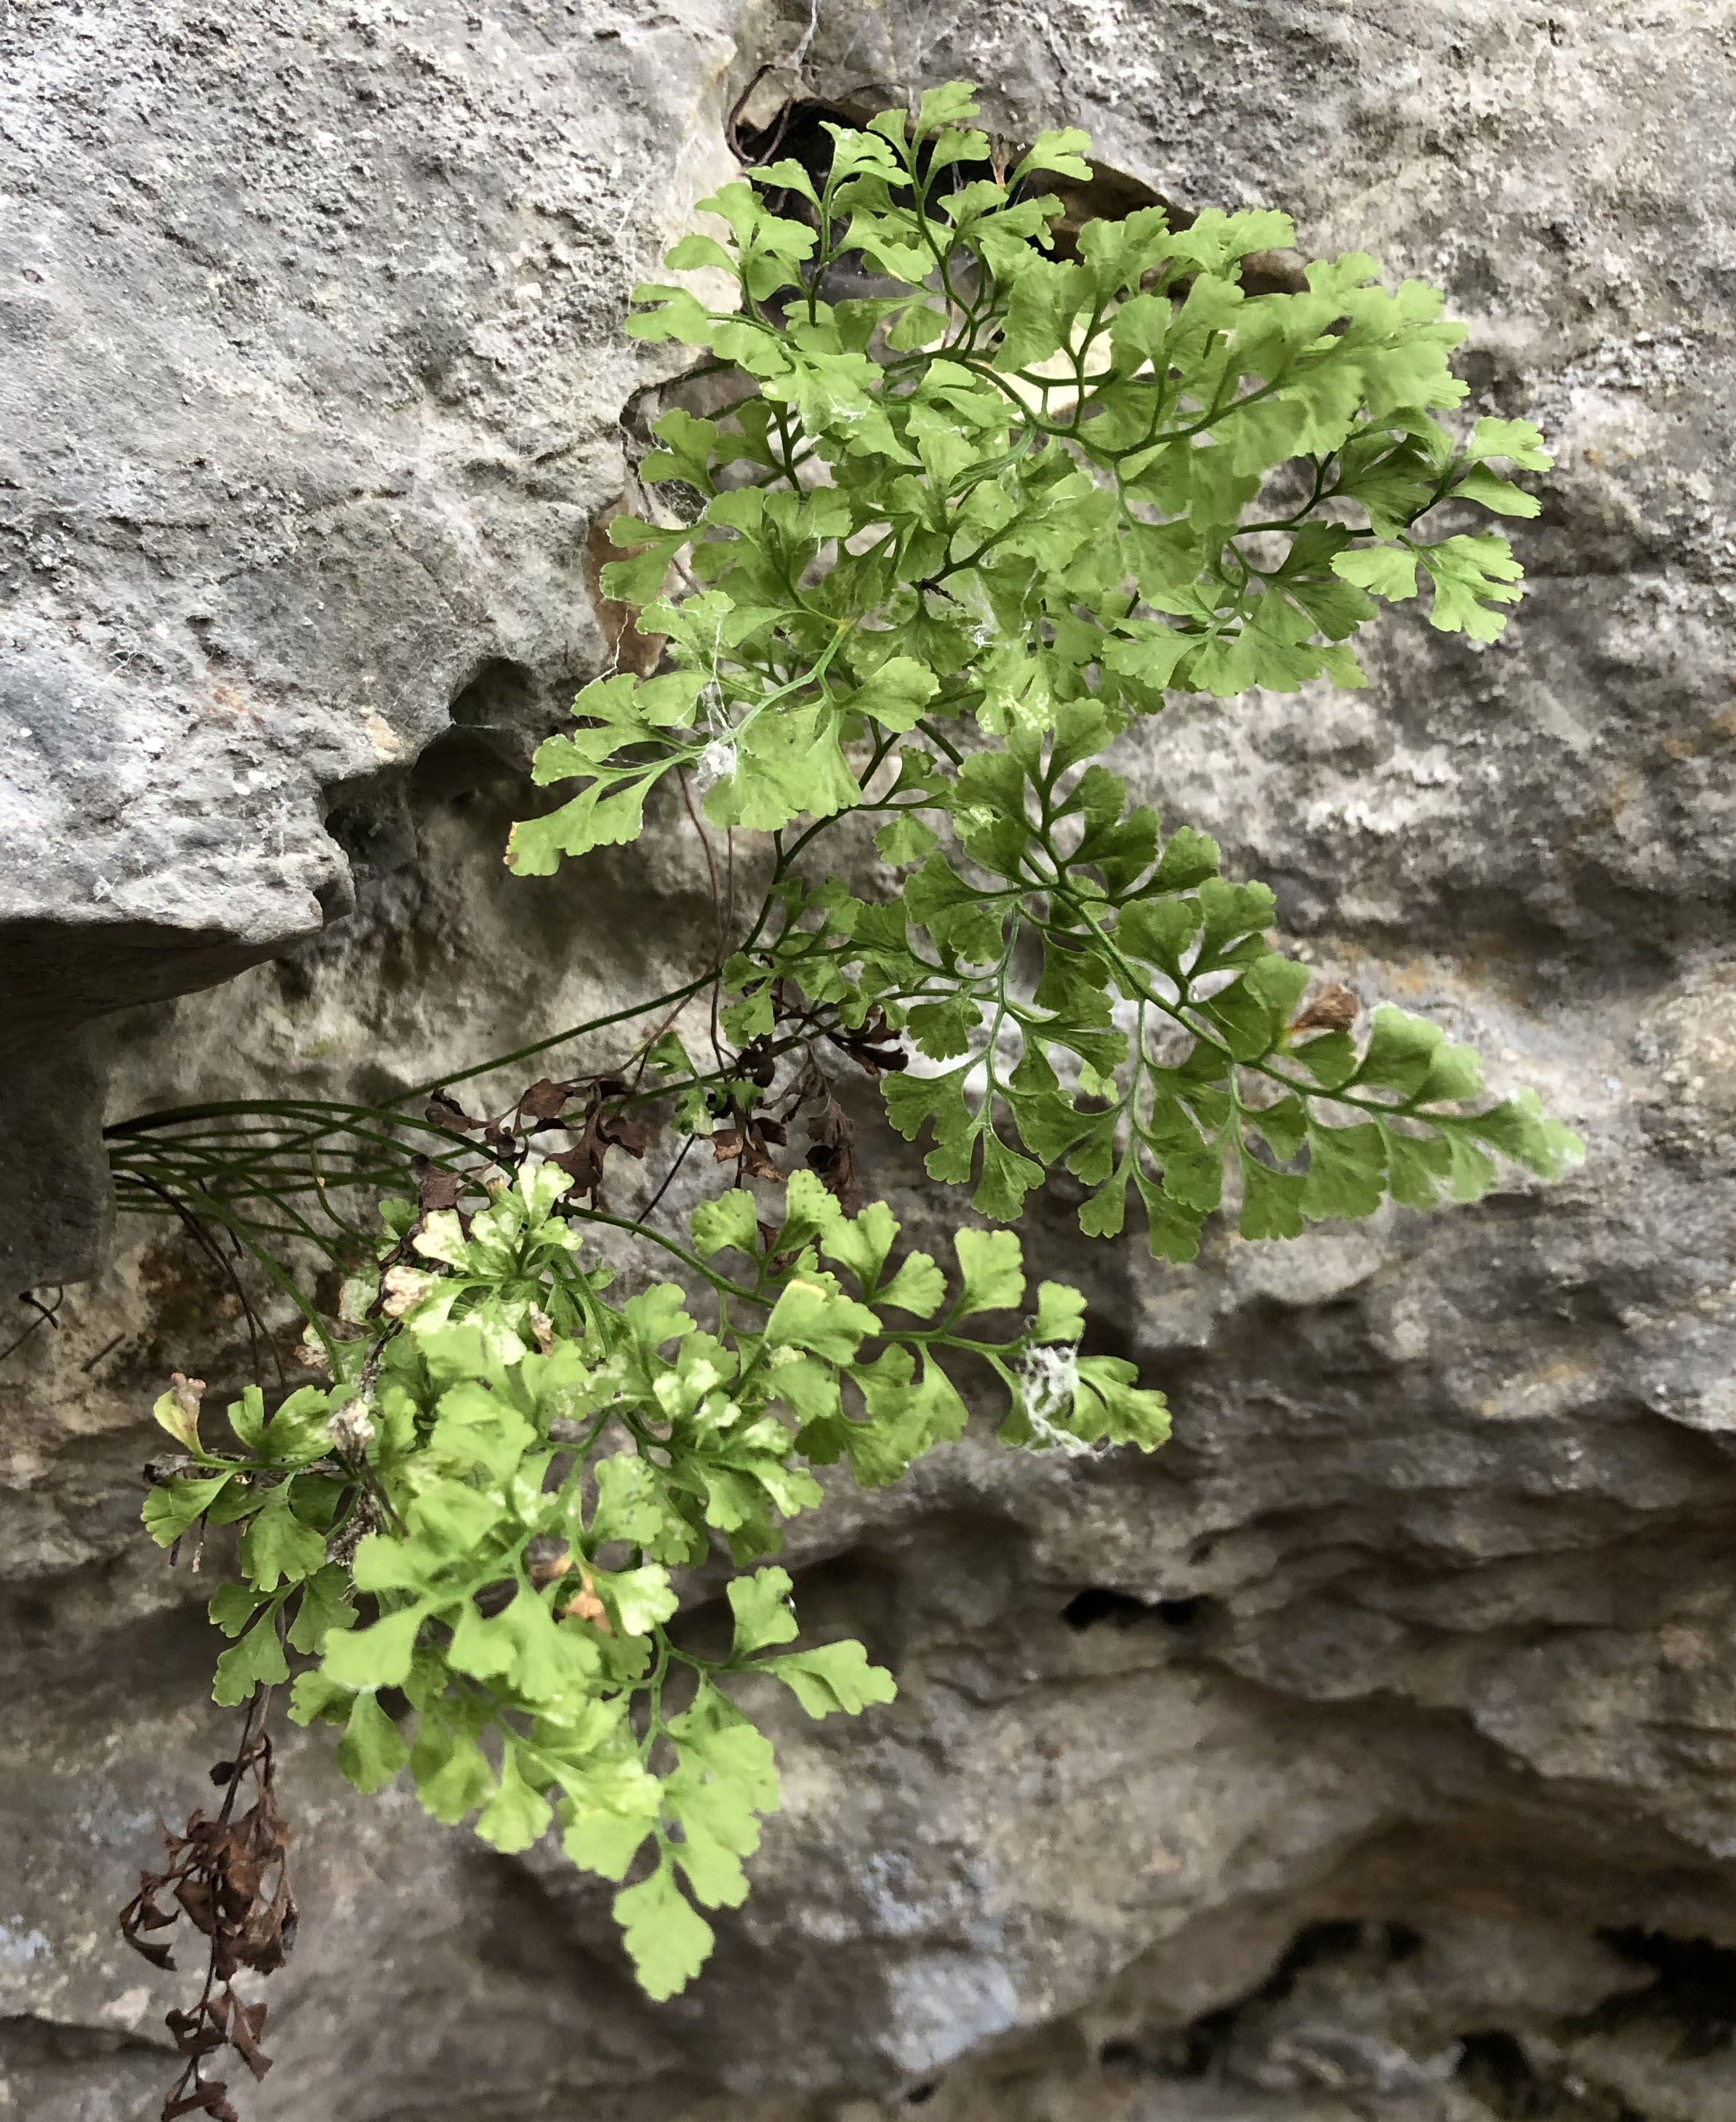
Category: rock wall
[312,388]
[1369,1752]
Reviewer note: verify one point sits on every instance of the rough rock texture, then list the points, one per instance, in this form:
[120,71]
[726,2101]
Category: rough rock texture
[310,393]
[1369,1753]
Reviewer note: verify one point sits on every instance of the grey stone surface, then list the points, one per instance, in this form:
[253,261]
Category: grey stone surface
[59,1221]
[311,391]
[1369,1752]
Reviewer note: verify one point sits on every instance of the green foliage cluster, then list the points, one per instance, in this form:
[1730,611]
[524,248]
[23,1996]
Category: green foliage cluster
[946,542]
[1014,482]
[513,1476]
[1009,505]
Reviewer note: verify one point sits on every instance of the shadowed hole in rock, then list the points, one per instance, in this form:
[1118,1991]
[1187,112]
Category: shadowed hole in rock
[534,1927]
[1184,2052]
[489,712]
[373,826]
[796,132]
[1312,1946]
[295,980]
[855,1594]
[497,697]
[1497,2070]
[33,1615]
[1494,2068]
[454,767]
[1193,2051]
[1091,1608]
[1695,1993]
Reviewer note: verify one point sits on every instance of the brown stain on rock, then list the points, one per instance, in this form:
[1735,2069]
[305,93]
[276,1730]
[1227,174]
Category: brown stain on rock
[630,650]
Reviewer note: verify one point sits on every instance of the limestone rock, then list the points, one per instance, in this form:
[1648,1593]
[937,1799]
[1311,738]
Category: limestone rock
[311,392]
[1367,1753]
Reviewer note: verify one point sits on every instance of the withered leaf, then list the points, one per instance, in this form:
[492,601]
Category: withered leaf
[631,650]
[836,1167]
[198,1898]
[545,1099]
[582,1165]
[246,2023]
[1335,1008]
[195,2036]
[833,1135]
[218,1875]
[629,1135]
[203,2099]
[874,1047]
[436,1189]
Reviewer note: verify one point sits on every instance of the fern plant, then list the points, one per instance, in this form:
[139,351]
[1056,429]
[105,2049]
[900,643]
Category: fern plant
[947,542]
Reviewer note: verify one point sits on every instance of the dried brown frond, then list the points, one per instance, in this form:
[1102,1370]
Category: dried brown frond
[228,1876]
